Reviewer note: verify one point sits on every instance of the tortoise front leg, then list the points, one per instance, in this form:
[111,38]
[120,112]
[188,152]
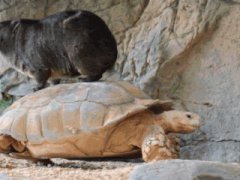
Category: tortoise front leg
[156,145]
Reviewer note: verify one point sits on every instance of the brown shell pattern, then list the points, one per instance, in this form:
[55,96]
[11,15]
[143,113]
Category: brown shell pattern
[68,109]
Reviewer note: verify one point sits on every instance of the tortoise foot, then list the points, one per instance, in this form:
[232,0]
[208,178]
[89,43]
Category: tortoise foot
[158,146]
[174,141]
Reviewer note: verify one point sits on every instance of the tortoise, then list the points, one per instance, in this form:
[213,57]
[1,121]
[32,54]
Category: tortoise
[92,120]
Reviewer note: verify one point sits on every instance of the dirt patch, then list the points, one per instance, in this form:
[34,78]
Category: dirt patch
[67,169]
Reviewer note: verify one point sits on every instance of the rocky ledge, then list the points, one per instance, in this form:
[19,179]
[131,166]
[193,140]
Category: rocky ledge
[119,170]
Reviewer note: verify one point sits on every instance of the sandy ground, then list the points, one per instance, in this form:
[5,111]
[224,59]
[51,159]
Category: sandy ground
[66,169]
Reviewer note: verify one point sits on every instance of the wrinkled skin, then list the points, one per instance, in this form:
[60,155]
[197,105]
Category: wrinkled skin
[69,43]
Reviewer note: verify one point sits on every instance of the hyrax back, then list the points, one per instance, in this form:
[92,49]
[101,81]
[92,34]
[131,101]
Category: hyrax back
[69,43]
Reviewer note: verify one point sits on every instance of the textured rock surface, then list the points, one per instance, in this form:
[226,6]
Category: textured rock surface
[165,31]
[210,86]
[186,170]
[185,50]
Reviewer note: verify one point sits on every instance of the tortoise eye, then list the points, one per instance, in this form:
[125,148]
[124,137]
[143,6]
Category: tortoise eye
[189,116]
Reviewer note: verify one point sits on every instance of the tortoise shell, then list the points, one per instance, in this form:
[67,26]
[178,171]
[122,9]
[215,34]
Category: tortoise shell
[68,109]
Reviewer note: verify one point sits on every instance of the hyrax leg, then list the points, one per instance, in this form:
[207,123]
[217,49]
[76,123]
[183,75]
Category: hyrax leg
[41,77]
[90,78]
[157,146]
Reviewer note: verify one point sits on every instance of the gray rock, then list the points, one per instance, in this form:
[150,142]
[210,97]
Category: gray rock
[210,86]
[186,170]
[185,50]
[4,176]
[165,31]
[15,84]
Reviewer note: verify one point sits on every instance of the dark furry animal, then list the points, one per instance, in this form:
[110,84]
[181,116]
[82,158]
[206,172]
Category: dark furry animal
[69,43]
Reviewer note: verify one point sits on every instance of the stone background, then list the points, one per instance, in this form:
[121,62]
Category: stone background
[184,50]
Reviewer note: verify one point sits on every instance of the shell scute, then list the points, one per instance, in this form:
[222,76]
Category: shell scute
[18,128]
[51,119]
[92,115]
[34,126]
[108,94]
[7,121]
[70,115]
[77,93]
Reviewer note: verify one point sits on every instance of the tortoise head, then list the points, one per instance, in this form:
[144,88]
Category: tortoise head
[180,121]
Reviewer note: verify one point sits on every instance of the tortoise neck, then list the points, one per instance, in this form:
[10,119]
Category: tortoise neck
[163,122]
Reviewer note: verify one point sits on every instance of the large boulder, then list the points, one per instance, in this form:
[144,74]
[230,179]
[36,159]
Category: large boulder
[185,50]
[186,170]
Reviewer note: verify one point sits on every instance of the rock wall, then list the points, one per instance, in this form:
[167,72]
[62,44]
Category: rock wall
[185,50]
[210,86]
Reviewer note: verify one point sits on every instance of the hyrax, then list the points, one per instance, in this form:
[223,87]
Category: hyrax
[69,43]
